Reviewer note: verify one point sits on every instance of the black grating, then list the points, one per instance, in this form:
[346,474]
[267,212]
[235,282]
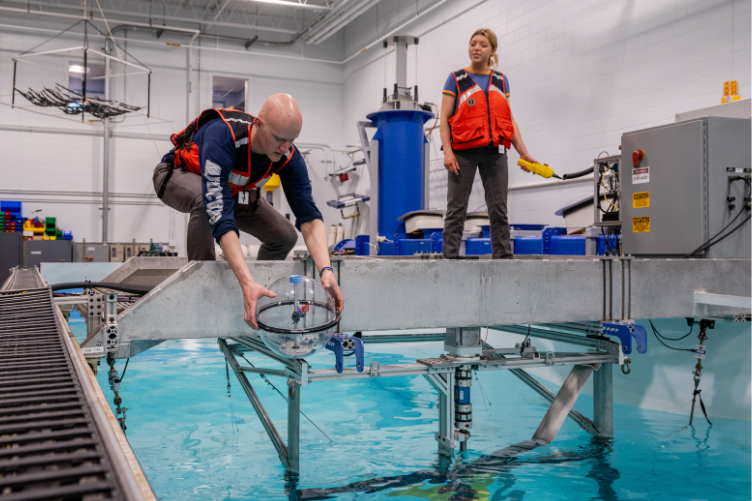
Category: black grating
[50,447]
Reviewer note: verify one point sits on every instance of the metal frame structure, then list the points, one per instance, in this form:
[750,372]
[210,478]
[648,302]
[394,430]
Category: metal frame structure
[563,300]
[441,373]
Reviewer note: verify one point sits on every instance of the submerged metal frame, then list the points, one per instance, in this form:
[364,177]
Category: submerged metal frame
[440,373]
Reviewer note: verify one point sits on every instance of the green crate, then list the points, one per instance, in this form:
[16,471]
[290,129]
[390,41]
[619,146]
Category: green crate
[50,222]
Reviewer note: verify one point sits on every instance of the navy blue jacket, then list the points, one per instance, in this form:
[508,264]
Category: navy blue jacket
[215,144]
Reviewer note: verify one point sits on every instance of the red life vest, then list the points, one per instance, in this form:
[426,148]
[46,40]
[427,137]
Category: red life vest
[240,124]
[479,121]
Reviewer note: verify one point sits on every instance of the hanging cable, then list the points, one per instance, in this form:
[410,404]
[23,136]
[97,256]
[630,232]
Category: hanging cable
[659,337]
[263,376]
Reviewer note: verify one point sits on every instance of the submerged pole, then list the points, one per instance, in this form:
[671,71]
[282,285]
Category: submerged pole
[293,425]
[603,400]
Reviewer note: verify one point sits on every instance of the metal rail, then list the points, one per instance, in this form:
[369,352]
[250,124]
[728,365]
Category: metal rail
[53,444]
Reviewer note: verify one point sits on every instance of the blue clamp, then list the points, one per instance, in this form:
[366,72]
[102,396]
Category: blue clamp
[625,332]
[339,344]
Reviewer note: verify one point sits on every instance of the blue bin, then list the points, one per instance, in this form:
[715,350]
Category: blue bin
[477,246]
[526,246]
[412,246]
[527,227]
[567,245]
[486,231]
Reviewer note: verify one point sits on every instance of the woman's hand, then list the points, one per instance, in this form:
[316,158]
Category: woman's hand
[526,157]
[450,163]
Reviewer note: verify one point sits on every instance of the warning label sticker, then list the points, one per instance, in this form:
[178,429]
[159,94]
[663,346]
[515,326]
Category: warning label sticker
[641,200]
[641,175]
[641,224]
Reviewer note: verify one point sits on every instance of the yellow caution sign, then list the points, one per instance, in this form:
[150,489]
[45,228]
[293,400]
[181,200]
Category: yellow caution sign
[641,224]
[641,200]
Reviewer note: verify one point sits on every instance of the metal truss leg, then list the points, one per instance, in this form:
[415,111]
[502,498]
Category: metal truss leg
[603,400]
[293,425]
[444,384]
[260,411]
[562,404]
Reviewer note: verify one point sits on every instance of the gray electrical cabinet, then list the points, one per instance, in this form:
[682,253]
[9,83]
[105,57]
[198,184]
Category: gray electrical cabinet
[685,190]
[11,253]
[46,251]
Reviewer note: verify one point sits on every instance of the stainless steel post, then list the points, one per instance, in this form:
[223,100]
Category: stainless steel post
[106,154]
[603,400]
[293,425]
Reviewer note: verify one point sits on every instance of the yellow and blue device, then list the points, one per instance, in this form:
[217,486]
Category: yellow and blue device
[540,169]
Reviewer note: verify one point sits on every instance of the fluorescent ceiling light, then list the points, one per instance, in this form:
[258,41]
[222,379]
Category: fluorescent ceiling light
[294,4]
[74,68]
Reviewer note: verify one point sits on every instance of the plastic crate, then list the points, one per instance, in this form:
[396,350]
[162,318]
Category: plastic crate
[528,245]
[477,246]
[567,245]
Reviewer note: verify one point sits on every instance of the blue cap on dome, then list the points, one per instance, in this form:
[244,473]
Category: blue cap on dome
[296,279]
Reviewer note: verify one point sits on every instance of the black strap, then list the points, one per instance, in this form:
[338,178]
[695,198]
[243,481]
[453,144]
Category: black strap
[698,393]
[256,202]
[167,177]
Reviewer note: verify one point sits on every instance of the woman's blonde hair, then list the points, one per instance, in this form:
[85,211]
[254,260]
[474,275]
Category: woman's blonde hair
[491,36]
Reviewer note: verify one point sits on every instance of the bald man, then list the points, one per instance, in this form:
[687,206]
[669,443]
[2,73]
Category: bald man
[215,173]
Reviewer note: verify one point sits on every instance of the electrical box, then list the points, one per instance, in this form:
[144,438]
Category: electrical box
[687,188]
[84,252]
[37,252]
[606,191]
[11,253]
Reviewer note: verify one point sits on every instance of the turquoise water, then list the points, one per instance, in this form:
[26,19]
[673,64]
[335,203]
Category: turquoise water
[197,440]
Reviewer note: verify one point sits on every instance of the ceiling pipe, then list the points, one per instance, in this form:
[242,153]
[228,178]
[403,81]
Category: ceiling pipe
[330,26]
[132,14]
[342,22]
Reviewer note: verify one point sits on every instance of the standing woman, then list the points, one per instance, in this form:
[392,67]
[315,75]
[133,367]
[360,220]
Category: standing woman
[477,127]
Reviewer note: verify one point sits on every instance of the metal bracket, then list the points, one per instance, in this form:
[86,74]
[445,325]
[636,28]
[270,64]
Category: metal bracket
[339,343]
[111,327]
[625,332]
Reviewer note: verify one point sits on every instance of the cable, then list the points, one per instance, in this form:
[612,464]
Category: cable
[710,242]
[133,289]
[263,376]
[691,328]
[658,337]
[124,369]
[575,175]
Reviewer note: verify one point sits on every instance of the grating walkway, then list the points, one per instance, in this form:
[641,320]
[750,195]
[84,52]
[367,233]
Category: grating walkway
[50,447]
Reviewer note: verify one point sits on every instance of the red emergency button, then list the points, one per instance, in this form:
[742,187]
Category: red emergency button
[637,157]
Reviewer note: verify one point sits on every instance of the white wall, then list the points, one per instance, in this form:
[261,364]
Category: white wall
[61,173]
[581,73]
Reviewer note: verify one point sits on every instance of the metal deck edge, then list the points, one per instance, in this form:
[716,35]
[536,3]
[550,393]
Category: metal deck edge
[129,472]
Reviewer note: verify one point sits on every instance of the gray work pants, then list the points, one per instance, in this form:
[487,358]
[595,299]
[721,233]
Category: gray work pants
[183,193]
[494,173]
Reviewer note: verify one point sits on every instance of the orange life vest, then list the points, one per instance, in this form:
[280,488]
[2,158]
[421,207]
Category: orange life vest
[240,124]
[479,121]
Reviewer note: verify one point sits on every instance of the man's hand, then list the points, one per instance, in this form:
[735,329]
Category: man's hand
[450,163]
[329,282]
[251,295]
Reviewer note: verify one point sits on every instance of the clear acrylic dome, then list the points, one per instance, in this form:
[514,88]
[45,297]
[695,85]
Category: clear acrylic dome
[300,320]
